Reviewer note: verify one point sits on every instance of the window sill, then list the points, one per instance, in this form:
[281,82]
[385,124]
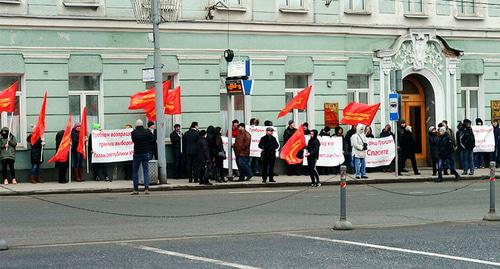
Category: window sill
[87,5]
[417,16]
[294,10]
[469,17]
[232,9]
[13,2]
[358,12]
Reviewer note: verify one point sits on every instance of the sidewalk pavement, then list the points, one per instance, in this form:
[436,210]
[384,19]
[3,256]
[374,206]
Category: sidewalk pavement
[183,184]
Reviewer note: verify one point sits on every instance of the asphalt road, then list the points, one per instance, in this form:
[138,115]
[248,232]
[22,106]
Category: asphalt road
[392,231]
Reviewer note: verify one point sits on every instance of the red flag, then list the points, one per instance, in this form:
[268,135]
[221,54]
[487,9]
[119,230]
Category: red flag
[63,151]
[173,104]
[8,98]
[142,99]
[355,113]
[296,143]
[298,102]
[39,129]
[150,110]
[83,134]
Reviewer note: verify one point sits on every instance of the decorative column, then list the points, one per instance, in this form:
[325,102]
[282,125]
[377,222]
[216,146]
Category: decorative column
[452,81]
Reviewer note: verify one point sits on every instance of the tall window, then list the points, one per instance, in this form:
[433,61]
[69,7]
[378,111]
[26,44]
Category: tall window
[238,103]
[170,120]
[358,88]
[357,5]
[470,96]
[413,6]
[85,91]
[294,83]
[466,7]
[294,3]
[17,119]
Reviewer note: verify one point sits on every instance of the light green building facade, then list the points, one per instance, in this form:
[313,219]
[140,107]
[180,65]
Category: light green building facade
[92,52]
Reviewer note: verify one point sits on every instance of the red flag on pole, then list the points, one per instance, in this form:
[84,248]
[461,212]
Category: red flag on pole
[63,151]
[141,100]
[8,98]
[150,112]
[298,102]
[173,104]
[83,134]
[39,129]
[296,143]
[355,113]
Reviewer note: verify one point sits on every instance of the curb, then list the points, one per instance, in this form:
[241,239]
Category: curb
[157,188]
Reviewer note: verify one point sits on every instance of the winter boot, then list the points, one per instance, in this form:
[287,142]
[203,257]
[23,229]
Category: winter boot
[74,172]
[33,180]
[80,174]
[38,179]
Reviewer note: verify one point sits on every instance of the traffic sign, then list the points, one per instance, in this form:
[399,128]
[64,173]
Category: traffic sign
[393,106]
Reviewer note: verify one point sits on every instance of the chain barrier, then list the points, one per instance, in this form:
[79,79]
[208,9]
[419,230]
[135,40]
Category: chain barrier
[167,216]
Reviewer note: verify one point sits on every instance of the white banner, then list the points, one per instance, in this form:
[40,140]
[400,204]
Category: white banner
[226,146]
[111,146]
[257,132]
[485,139]
[330,151]
[381,151]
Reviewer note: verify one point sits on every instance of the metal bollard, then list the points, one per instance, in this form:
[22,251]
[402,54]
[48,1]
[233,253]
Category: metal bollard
[343,223]
[492,215]
[3,245]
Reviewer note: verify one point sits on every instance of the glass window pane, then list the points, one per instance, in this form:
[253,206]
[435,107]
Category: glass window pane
[469,7]
[165,77]
[288,97]
[417,6]
[350,97]
[360,5]
[474,104]
[469,80]
[293,3]
[357,82]
[296,81]
[74,107]
[84,83]
[16,121]
[363,97]
[92,104]
[351,4]
[8,81]
[233,2]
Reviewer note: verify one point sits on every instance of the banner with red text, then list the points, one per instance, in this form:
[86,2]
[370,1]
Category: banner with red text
[330,151]
[381,151]
[226,146]
[485,139]
[257,132]
[109,146]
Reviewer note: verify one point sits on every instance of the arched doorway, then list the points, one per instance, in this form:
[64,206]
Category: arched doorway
[413,110]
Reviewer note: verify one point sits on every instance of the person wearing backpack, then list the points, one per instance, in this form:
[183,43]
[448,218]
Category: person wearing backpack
[467,143]
[446,149]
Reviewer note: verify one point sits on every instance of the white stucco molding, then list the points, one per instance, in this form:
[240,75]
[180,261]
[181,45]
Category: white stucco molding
[123,57]
[330,59]
[452,65]
[46,56]
[199,57]
[268,58]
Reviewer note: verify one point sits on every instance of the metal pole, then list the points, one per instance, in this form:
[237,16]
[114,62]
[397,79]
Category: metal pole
[230,137]
[69,166]
[396,161]
[160,117]
[343,223]
[492,215]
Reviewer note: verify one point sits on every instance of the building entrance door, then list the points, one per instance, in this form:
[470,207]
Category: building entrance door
[413,111]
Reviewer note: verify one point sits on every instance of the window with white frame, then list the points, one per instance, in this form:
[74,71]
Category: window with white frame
[294,83]
[233,3]
[81,3]
[470,96]
[466,7]
[414,7]
[85,91]
[238,103]
[358,88]
[357,5]
[293,3]
[170,120]
[16,120]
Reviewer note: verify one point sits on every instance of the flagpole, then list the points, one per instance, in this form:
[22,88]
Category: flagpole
[41,153]
[69,166]
[10,130]
[86,153]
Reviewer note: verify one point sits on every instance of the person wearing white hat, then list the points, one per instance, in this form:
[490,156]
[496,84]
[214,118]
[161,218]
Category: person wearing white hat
[142,139]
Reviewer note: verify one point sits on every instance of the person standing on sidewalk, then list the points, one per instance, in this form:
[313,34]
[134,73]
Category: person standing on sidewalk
[77,157]
[291,169]
[100,170]
[190,144]
[154,147]
[269,145]
[359,149]
[204,159]
[8,155]
[468,143]
[176,139]
[36,158]
[142,139]
[221,155]
[242,151]
[408,148]
[350,159]
[434,148]
[446,149]
[62,167]
[254,161]
[312,156]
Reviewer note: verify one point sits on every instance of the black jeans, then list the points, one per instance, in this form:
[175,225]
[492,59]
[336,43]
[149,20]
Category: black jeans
[8,163]
[434,165]
[61,174]
[413,162]
[268,167]
[313,173]
[177,173]
[191,162]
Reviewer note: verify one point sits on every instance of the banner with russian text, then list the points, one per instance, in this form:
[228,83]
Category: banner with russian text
[330,151]
[226,147]
[257,132]
[485,139]
[381,151]
[109,146]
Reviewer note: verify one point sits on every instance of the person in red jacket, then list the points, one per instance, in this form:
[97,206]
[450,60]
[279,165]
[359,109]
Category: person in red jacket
[242,151]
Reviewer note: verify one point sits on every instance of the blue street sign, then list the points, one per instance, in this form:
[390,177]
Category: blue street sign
[393,107]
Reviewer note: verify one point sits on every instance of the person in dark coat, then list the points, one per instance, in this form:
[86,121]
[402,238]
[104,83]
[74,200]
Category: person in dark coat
[460,149]
[190,144]
[291,169]
[221,155]
[312,155]
[306,128]
[61,167]
[468,143]
[142,139]
[76,157]
[434,148]
[269,145]
[350,159]
[369,132]
[479,157]
[36,159]
[446,149]
[212,149]
[154,143]
[325,132]
[203,162]
[386,132]
[408,147]
[176,140]
[495,156]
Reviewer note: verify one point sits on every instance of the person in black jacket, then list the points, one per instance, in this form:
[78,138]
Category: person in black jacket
[312,155]
[221,155]
[154,145]
[269,145]
[76,157]
[434,148]
[446,149]
[36,159]
[203,163]
[291,169]
[142,139]
[467,143]
[176,140]
[408,147]
[61,167]
[350,159]
[190,144]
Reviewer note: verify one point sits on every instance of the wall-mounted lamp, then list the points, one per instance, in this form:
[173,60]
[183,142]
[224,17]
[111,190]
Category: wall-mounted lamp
[211,9]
